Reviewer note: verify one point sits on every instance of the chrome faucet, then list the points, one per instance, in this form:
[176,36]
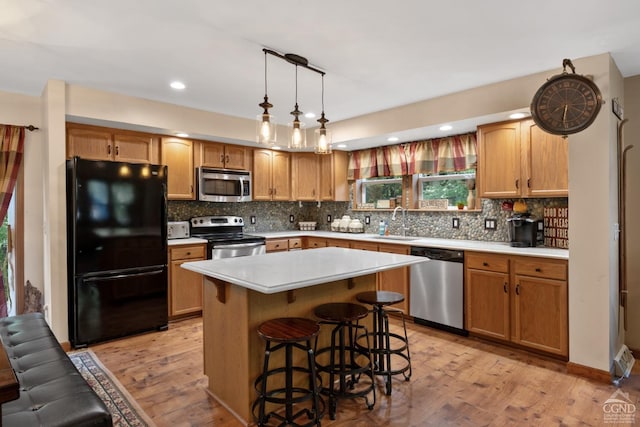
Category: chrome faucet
[404,218]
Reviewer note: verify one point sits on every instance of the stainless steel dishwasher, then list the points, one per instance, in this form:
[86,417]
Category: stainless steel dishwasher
[437,289]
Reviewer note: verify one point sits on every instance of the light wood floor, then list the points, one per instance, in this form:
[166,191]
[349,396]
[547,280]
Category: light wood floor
[456,381]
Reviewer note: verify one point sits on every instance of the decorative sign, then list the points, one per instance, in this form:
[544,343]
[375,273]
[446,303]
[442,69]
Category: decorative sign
[556,227]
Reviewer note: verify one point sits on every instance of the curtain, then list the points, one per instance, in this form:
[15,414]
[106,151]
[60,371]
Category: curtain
[11,149]
[451,154]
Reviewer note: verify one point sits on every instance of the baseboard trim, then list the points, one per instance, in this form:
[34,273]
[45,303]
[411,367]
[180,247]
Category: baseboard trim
[589,372]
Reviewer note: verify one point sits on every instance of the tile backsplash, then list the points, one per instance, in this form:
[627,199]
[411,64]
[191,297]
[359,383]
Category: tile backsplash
[274,216]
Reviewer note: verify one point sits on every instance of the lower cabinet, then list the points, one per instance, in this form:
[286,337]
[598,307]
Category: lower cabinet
[282,245]
[185,287]
[398,279]
[523,300]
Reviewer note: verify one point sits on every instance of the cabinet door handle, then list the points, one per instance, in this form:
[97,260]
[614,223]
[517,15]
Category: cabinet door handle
[117,150]
[517,184]
[505,288]
[226,159]
[109,149]
[538,270]
[518,289]
[485,264]
[221,158]
[188,253]
[528,182]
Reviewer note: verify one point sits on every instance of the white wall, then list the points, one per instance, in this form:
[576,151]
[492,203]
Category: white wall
[54,208]
[25,110]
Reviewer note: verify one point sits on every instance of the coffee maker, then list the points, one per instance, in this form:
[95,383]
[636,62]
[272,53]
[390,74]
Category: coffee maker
[524,230]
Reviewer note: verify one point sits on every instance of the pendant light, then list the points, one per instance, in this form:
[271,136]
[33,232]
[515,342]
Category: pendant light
[322,134]
[266,126]
[297,133]
[265,122]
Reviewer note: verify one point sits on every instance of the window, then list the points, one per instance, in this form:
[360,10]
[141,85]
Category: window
[453,187]
[376,192]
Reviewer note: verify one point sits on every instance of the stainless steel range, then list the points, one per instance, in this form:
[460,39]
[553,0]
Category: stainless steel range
[225,237]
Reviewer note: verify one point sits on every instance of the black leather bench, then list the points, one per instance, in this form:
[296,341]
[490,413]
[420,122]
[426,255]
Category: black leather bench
[52,391]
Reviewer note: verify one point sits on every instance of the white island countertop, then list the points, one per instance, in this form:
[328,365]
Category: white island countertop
[286,271]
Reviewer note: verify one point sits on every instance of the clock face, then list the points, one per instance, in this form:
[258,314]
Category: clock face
[566,104]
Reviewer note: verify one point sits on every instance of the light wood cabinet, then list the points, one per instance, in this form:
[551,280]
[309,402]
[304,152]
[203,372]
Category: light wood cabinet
[271,175]
[177,154]
[99,143]
[281,245]
[226,156]
[517,159]
[518,299]
[487,295]
[365,246]
[540,311]
[333,177]
[305,176]
[398,279]
[185,286]
[315,242]
[338,243]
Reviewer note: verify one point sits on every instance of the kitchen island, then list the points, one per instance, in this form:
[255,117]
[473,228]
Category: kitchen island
[241,293]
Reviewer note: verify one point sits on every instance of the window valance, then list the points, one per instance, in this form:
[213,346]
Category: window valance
[432,156]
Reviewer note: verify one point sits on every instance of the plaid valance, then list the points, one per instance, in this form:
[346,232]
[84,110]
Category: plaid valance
[433,156]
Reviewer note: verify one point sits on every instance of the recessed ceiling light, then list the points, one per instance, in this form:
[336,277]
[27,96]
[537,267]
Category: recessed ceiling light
[310,115]
[177,85]
[341,146]
[517,115]
[393,139]
[182,134]
[446,127]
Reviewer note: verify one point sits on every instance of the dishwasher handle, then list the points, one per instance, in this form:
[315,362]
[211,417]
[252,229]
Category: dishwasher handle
[438,254]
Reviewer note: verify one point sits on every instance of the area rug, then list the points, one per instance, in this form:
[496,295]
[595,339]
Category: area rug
[125,412]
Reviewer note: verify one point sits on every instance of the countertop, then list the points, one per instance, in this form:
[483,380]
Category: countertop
[465,245]
[284,271]
[187,241]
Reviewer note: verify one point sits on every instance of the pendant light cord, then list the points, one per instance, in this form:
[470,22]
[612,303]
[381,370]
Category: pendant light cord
[322,94]
[265,74]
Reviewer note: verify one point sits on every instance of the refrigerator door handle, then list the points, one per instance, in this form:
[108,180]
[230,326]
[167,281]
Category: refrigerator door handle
[120,276]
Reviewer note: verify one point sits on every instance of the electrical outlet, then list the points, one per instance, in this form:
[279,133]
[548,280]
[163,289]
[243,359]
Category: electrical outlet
[490,223]
[455,223]
[291,218]
[367,220]
[252,219]
[329,219]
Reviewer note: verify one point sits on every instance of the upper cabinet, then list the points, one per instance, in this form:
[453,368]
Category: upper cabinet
[271,175]
[305,176]
[177,154]
[333,177]
[517,159]
[98,143]
[218,155]
[320,177]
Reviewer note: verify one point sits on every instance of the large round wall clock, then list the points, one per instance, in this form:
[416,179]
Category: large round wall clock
[566,103]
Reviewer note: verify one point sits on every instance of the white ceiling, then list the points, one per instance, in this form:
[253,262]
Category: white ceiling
[377,54]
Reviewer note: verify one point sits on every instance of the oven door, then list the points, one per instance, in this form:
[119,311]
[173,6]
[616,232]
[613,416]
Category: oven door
[232,250]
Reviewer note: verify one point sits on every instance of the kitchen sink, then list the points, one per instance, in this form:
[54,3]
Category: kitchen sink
[405,238]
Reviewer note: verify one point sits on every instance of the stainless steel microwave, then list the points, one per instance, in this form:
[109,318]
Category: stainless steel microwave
[224,185]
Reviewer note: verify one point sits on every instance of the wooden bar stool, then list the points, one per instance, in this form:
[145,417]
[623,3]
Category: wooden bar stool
[386,343]
[349,367]
[289,333]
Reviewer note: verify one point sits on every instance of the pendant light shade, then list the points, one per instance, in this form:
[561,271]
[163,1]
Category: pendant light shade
[322,134]
[297,133]
[265,122]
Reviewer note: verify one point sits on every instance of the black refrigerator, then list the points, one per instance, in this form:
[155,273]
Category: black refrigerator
[116,249]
